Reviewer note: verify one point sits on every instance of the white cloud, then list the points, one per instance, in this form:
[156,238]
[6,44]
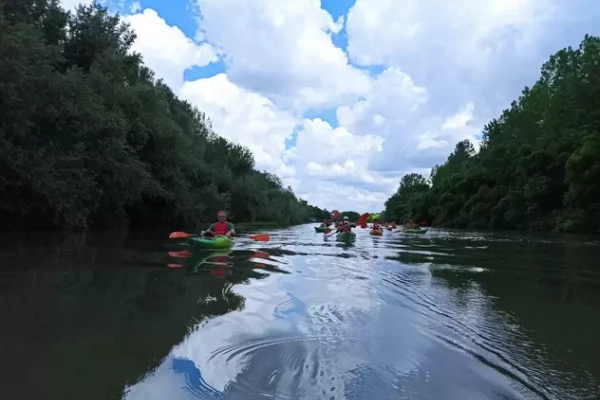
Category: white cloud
[71,4]
[245,117]
[166,49]
[389,32]
[448,68]
[284,50]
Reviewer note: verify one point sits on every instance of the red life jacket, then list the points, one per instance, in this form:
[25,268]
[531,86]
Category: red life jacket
[345,228]
[220,228]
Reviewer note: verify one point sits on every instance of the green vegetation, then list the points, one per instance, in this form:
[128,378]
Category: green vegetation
[352,215]
[88,136]
[538,166]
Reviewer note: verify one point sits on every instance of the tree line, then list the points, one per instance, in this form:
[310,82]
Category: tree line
[90,137]
[538,166]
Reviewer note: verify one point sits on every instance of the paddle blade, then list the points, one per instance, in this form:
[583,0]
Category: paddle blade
[179,235]
[261,237]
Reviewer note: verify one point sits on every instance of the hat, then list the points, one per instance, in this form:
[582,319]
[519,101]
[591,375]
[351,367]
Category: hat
[346,218]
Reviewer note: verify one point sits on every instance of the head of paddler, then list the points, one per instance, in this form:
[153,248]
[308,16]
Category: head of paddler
[222,216]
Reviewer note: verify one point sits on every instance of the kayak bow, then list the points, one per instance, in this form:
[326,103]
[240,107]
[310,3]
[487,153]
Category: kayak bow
[212,243]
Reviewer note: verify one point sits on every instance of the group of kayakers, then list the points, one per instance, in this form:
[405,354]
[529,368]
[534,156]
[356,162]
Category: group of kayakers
[224,228]
[346,225]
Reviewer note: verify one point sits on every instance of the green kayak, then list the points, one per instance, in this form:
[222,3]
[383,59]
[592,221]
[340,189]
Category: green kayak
[320,229]
[419,231]
[214,243]
[346,237]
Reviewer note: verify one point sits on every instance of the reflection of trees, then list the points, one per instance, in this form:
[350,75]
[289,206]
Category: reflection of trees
[86,324]
[547,288]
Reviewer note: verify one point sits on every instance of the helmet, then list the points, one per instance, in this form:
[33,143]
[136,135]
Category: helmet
[346,218]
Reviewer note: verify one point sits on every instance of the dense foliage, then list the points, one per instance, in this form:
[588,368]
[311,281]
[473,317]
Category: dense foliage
[88,136]
[539,163]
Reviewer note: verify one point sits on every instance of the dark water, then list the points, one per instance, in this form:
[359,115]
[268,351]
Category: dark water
[448,315]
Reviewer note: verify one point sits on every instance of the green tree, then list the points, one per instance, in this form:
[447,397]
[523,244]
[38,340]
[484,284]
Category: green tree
[539,163]
[89,137]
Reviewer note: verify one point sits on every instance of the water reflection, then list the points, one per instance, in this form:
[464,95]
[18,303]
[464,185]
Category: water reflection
[446,315]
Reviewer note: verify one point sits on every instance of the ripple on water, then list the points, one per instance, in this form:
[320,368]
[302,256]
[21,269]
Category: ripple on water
[390,317]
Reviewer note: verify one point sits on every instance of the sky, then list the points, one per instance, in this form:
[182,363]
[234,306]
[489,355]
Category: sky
[341,98]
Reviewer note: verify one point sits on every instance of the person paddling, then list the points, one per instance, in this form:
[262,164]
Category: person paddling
[343,227]
[347,221]
[221,228]
[376,226]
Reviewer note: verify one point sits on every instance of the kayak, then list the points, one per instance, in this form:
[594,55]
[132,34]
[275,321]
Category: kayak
[212,243]
[376,232]
[346,237]
[320,229]
[418,231]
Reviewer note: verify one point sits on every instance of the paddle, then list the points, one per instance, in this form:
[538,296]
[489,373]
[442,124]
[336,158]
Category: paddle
[259,237]
[331,234]
[182,235]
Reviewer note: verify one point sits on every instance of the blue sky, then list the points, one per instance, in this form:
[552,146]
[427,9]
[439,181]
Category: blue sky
[341,98]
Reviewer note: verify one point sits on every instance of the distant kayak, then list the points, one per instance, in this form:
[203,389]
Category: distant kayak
[346,237]
[320,229]
[376,232]
[212,243]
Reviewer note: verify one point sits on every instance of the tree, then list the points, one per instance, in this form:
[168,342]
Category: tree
[539,163]
[88,136]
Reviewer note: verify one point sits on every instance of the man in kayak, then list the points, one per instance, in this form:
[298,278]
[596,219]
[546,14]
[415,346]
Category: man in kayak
[345,226]
[347,221]
[325,223]
[221,228]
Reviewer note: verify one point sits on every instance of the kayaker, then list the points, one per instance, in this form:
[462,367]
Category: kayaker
[341,228]
[347,220]
[345,226]
[221,228]
[326,223]
[376,226]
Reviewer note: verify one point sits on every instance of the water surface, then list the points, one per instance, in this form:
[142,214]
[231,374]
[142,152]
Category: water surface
[447,315]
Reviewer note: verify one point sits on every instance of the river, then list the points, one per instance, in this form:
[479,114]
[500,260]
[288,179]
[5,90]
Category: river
[443,316]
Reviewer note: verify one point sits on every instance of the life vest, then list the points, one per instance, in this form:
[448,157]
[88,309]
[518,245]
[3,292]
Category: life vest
[220,228]
[344,228]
